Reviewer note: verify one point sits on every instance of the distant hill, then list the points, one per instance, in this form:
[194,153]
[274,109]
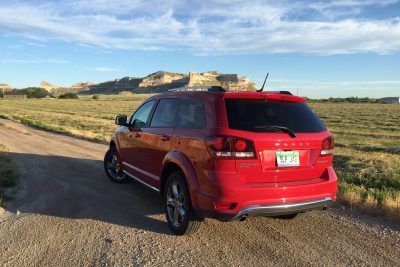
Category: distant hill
[156,82]
[82,86]
[55,89]
[5,87]
[49,87]
[162,81]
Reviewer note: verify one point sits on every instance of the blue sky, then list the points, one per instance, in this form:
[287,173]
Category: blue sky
[318,48]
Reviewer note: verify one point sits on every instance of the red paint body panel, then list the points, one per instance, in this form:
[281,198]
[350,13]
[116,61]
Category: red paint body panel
[242,182]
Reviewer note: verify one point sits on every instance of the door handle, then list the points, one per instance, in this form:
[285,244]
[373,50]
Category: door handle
[165,138]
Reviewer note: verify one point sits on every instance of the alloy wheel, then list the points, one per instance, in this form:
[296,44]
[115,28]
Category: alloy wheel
[176,204]
[113,167]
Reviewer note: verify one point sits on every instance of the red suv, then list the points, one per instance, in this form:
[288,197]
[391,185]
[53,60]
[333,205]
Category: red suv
[225,155]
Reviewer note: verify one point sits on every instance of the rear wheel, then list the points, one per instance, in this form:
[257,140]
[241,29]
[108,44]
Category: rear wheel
[178,207]
[112,166]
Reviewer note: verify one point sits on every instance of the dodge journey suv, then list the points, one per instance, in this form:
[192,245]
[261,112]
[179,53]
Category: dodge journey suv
[225,155]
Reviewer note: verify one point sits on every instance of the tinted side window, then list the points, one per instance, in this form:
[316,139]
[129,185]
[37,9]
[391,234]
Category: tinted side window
[166,113]
[140,117]
[191,115]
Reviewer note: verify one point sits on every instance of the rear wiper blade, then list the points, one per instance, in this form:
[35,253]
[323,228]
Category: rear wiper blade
[278,128]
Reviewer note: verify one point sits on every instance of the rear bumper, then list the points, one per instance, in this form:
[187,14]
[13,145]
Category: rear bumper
[271,201]
[282,209]
[269,210]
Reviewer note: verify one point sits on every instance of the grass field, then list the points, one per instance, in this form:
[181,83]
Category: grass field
[85,118]
[8,173]
[367,153]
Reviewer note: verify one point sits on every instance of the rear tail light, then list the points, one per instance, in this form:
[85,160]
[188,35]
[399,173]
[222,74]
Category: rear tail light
[327,146]
[230,147]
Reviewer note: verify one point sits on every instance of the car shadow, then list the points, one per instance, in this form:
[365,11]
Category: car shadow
[78,188]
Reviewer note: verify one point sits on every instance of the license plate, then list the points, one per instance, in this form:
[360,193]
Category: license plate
[287,158]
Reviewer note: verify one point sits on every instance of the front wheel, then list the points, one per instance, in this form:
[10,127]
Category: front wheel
[178,207]
[112,166]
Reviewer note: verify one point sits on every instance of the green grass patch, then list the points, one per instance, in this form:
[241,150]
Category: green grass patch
[8,174]
[367,155]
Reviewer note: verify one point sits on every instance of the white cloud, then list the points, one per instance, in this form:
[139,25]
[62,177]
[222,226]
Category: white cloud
[325,5]
[33,61]
[213,27]
[36,44]
[24,61]
[57,61]
[13,46]
[341,8]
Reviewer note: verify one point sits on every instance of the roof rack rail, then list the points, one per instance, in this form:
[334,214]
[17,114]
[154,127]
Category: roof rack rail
[279,92]
[198,89]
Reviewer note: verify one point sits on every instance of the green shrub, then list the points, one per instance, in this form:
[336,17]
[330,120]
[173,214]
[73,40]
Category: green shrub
[34,92]
[68,96]
[345,100]
[96,97]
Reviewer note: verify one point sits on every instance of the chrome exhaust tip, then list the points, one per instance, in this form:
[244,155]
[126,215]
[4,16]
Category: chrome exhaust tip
[243,218]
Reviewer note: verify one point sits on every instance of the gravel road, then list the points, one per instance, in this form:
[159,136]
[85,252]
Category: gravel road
[66,212]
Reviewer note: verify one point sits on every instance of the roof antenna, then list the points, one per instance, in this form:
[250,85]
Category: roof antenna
[262,87]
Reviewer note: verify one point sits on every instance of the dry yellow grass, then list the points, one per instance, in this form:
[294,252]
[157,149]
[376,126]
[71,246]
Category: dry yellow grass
[84,118]
[367,154]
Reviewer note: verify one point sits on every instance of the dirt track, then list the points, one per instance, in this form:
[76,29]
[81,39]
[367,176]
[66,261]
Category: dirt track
[70,214]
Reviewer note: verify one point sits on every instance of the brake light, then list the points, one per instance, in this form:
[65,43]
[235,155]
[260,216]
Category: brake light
[240,145]
[327,146]
[230,147]
[220,143]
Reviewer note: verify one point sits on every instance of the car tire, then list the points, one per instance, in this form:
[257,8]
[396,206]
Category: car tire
[112,167]
[178,207]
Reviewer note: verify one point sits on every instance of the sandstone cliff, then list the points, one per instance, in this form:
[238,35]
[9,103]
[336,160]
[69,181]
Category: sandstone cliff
[161,78]
[5,87]
[81,86]
[49,87]
[113,87]
[231,82]
[161,81]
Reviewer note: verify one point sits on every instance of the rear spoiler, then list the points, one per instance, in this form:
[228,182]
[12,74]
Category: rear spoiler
[279,92]
[266,95]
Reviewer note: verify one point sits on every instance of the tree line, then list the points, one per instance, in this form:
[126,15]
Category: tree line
[345,100]
[37,92]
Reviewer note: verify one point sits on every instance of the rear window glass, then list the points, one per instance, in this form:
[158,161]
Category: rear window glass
[191,115]
[255,115]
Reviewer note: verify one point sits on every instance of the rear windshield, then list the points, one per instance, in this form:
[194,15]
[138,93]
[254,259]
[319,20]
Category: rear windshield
[256,115]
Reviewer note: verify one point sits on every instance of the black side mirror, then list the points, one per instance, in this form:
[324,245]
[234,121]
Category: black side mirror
[121,120]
